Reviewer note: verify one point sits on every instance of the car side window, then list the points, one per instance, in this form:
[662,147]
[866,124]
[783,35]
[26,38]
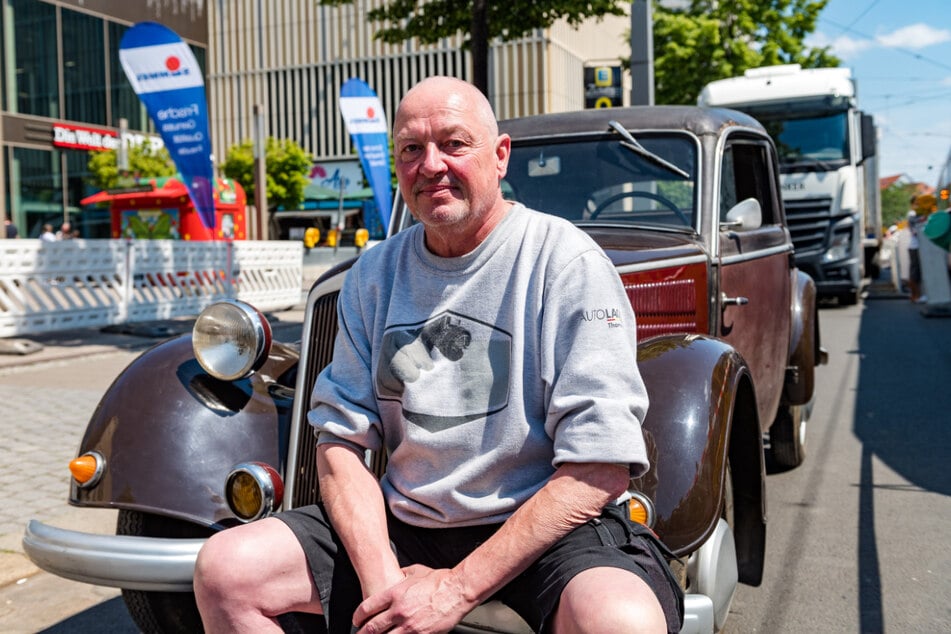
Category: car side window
[745,174]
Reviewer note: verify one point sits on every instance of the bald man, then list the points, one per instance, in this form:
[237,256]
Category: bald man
[465,354]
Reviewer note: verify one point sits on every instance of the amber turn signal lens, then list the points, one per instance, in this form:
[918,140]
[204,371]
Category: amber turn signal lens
[637,512]
[87,468]
[640,509]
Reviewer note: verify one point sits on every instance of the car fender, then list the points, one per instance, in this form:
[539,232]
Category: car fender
[702,418]
[170,433]
[804,353]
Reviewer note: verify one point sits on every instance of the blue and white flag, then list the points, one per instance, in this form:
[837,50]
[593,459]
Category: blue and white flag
[363,115]
[165,75]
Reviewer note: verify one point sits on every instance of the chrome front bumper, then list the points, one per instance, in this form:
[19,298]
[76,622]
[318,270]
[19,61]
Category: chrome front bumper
[167,565]
[119,561]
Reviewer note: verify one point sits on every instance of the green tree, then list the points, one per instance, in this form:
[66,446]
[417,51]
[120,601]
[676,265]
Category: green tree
[286,167]
[481,21]
[716,39]
[896,201]
[143,162]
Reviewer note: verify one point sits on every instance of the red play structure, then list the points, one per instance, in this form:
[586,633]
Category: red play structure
[160,209]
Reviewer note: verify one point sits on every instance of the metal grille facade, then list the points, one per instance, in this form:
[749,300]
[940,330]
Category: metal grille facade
[292,57]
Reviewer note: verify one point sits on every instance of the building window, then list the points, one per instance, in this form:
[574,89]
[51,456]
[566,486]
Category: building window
[84,70]
[125,103]
[30,70]
[36,189]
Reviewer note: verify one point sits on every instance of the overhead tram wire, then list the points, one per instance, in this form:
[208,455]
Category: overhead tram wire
[917,56]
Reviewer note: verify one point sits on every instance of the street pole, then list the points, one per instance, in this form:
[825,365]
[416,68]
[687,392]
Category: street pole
[642,54]
[260,172]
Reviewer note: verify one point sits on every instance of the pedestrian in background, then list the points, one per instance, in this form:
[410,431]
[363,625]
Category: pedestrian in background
[47,235]
[65,232]
[914,262]
[11,229]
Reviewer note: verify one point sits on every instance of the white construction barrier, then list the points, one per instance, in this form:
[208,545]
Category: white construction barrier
[48,286]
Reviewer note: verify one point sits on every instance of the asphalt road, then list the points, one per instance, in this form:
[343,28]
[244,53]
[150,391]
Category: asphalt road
[855,535]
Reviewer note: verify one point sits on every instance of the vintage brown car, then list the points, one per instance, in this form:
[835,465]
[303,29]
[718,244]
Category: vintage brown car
[685,201]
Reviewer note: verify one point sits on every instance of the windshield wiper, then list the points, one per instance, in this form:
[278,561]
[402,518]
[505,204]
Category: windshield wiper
[631,143]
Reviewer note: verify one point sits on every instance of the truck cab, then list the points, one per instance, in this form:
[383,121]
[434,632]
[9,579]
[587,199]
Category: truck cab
[827,156]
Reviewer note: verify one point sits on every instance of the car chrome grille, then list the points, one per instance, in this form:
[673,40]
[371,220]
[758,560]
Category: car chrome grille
[317,351]
[316,354]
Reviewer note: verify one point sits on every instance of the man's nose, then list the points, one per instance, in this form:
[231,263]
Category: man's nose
[433,162]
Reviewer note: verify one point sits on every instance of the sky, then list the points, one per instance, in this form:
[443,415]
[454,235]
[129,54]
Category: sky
[900,55]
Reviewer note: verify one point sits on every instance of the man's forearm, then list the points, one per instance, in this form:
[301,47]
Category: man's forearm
[352,497]
[575,494]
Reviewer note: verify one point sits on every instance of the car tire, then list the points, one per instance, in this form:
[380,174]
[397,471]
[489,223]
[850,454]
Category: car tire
[176,612]
[787,435]
[160,612]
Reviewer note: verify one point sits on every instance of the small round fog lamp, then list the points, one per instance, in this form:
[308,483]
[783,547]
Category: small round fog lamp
[231,339]
[253,490]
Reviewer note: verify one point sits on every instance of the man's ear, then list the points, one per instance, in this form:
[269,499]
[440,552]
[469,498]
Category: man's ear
[503,150]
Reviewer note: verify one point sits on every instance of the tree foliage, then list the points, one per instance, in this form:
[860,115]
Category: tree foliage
[143,162]
[896,201]
[287,165]
[716,39]
[480,21]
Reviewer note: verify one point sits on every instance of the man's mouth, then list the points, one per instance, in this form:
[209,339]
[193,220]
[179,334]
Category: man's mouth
[434,189]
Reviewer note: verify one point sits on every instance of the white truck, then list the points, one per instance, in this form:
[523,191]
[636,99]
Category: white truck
[828,166]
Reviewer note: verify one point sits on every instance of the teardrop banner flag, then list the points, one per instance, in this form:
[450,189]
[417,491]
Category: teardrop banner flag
[165,75]
[363,115]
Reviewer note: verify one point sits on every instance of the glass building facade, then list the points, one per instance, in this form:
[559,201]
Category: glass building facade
[59,69]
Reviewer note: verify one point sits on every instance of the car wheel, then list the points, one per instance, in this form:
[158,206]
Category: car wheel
[176,612]
[787,435]
[160,612]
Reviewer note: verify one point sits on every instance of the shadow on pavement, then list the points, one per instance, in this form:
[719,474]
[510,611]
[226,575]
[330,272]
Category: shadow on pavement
[108,617]
[901,417]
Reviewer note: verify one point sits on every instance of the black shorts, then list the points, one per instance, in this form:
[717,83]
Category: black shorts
[611,540]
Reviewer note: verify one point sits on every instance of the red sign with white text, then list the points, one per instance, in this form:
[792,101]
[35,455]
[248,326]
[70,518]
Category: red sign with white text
[83,138]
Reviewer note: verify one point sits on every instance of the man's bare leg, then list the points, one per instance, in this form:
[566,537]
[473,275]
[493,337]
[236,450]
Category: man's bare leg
[247,576]
[608,600]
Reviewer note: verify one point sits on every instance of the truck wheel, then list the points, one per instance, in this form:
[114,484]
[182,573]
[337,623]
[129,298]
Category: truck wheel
[160,612]
[787,435]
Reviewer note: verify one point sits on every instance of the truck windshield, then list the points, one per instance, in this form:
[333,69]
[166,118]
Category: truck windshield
[599,180]
[820,141]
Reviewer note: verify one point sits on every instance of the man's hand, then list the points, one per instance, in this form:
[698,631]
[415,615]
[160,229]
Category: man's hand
[426,601]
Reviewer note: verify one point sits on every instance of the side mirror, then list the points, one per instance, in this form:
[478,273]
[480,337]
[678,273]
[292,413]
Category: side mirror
[745,215]
[869,137]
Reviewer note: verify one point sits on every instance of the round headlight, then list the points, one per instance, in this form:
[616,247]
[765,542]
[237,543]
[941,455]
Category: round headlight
[253,490]
[231,339]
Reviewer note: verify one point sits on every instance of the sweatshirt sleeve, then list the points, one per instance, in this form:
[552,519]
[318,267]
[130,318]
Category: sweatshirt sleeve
[343,406]
[597,399]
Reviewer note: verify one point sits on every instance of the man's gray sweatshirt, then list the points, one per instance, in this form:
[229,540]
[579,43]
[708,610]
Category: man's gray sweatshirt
[480,374]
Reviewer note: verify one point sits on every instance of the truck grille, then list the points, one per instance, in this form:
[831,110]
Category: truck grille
[808,220]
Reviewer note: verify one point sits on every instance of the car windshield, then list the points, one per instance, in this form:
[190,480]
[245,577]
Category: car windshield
[650,181]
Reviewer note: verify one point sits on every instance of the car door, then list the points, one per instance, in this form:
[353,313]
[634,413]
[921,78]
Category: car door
[754,270]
